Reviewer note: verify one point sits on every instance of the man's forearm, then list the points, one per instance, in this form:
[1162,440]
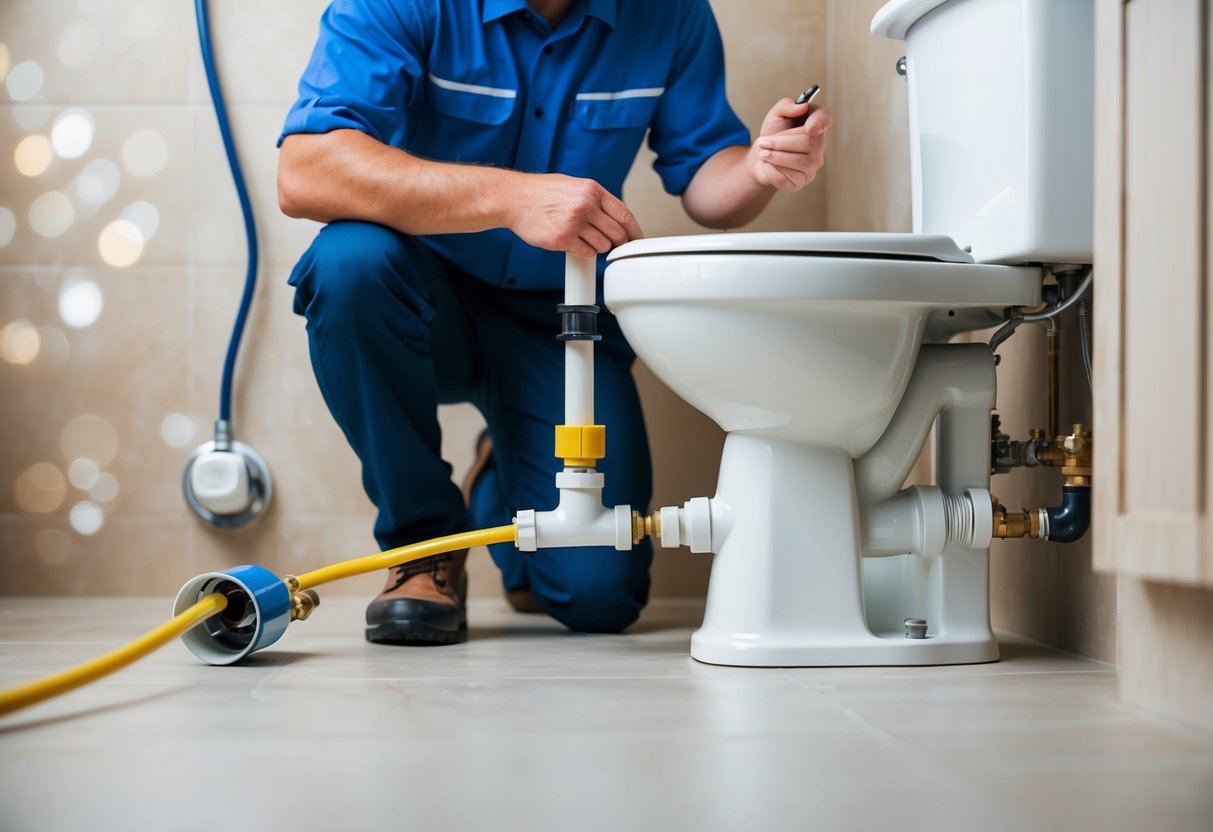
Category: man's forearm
[723,193]
[348,175]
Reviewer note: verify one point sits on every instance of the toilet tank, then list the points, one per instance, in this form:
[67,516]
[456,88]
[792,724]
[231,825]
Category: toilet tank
[1001,96]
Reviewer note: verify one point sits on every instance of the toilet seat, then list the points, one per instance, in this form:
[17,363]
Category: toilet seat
[915,269]
[882,246]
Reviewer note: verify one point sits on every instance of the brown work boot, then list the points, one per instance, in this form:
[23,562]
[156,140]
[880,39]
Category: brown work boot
[423,603]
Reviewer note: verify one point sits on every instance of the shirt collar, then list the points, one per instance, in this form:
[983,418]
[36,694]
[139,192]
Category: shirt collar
[604,10]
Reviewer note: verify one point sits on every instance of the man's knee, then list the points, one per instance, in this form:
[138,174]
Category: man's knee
[353,268]
[607,599]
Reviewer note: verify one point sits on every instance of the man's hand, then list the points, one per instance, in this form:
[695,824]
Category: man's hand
[791,146]
[563,213]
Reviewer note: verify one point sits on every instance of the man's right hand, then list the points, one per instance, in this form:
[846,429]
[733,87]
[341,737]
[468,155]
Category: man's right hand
[563,213]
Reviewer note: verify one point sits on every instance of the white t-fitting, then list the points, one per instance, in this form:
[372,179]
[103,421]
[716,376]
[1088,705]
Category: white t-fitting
[579,520]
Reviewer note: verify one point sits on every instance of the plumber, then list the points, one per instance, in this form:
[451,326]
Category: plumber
[456,151]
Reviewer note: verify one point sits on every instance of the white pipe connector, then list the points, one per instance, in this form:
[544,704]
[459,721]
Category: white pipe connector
[579,520]
[924,520]
[689,526]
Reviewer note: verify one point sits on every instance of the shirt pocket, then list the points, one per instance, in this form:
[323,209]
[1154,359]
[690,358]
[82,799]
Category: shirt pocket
[616,110]
[470,102]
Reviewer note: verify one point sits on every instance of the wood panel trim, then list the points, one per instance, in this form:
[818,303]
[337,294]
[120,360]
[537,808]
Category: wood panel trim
[1109,279]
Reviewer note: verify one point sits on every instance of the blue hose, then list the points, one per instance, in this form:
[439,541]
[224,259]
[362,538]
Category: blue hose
[246,208]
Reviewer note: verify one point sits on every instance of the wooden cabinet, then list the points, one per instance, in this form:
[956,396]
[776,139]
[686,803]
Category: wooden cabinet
[1153,306]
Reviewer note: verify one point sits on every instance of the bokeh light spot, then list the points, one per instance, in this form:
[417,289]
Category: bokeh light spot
[145,153]
[80,302]
[86,517]
[20,342]
[144,216]
[40,488]
[98,182]
[33,155]
[4,61]
[72,134]
[121,243]
[8,226]
[105,489]
[24,81]
[83,473]
[51,214]
[177,430]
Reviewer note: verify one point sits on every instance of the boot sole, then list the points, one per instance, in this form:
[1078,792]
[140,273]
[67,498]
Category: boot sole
[415,634]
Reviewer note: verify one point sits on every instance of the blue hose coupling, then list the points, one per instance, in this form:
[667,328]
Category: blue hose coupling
[258,612]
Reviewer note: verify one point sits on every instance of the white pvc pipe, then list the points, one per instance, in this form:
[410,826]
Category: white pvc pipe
[580,277]
[579,383]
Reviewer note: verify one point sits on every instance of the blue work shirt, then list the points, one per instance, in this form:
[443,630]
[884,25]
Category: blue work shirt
[490,82]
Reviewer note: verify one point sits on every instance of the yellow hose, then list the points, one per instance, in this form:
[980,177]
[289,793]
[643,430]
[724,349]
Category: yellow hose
[22,696]
[405,554]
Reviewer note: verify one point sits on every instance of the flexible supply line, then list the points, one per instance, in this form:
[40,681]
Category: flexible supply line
[202,14]
[40,690]
[405,554]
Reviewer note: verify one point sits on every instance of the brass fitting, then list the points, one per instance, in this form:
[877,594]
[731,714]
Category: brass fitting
[1072,453]
[302,602]
[646,525]
[1079,450]
[1015,524]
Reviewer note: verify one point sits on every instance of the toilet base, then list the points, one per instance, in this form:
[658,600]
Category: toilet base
[788,587]
[795,650]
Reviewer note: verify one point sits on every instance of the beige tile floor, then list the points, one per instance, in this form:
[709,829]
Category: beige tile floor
[528,727]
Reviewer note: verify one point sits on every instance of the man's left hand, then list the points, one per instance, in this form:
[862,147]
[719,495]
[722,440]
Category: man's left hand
[791,146]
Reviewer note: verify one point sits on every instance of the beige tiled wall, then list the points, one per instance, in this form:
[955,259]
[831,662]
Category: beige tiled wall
[146,370]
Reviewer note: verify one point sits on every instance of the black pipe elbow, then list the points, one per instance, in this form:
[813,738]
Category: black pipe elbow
[1069,521]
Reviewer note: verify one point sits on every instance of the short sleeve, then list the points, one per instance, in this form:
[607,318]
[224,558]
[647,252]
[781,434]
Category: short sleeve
[366,72]
[693,120]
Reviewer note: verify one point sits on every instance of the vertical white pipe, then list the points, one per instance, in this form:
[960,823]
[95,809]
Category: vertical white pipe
[580,276]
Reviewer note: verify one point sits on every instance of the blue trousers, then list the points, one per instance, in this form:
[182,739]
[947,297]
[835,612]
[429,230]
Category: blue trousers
[394,330]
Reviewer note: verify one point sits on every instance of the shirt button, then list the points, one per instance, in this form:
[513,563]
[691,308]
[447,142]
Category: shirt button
[509,281]
[547,50]
[538,112]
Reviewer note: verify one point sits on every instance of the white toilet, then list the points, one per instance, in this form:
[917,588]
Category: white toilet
[825,357]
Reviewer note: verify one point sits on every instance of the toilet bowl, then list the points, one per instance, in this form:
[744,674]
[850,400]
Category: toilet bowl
[802,336]
[826,357]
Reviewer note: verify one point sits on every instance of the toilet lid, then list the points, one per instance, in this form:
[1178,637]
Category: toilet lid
[935,247]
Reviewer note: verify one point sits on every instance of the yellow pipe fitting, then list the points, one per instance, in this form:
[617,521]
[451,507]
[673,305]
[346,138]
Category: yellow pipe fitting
[580,446]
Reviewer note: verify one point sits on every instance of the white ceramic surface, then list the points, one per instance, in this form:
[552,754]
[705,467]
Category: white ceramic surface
[1001,124]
